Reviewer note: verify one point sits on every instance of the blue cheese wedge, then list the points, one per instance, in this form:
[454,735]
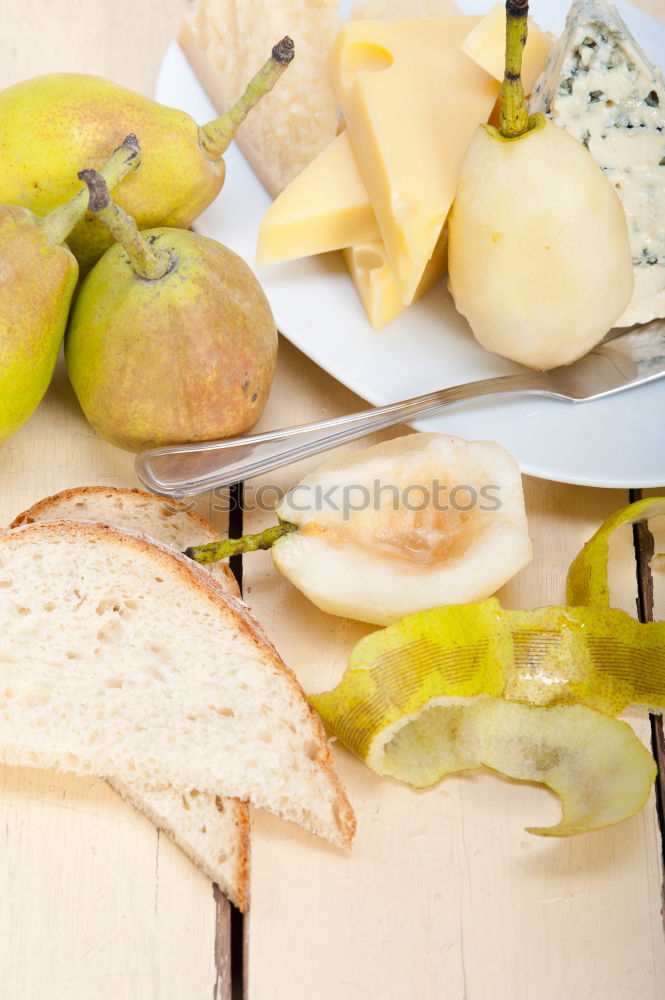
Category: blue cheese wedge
[600,87]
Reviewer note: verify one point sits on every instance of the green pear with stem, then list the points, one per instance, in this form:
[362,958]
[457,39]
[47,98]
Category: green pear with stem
[54,125]
[38,276]
[171,338]
[539,257]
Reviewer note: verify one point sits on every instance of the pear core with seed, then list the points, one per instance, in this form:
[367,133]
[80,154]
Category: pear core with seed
[405,525]
[539,258]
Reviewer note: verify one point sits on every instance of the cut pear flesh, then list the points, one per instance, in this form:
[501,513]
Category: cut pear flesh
[408,524]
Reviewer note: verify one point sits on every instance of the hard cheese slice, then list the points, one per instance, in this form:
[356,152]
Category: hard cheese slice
[486,45]
[600,87]
[326,207]
[411,101]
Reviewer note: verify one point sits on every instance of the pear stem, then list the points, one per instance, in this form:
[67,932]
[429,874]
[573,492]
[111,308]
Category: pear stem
[58,224]
[514,114]
[216,136]
[214,551]
[147,261]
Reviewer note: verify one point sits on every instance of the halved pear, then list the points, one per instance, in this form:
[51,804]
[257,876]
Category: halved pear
[409,524]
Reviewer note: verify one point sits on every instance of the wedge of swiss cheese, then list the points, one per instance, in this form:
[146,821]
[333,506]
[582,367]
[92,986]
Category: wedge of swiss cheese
[411,101]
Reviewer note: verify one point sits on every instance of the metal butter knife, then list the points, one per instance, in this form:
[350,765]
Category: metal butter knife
[624,360]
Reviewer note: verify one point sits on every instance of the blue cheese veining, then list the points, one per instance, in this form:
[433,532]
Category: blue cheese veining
[600,87]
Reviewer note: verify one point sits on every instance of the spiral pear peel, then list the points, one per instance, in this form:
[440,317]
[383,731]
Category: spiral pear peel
[531,694]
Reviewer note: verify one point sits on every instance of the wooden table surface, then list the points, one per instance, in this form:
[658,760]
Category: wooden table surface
[443,895]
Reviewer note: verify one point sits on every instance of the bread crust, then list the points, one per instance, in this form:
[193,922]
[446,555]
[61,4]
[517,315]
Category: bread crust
[40,510]
[237,887]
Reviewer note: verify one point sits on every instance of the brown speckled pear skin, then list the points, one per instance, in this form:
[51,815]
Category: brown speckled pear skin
[186,357]
[37,280]
[53,126]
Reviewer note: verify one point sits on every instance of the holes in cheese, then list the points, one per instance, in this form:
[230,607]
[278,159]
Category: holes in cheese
[329,207]
[373,278]
[363,55]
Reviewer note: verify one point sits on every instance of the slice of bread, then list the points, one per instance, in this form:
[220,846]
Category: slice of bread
[212,830]
[119,656]
[226,43]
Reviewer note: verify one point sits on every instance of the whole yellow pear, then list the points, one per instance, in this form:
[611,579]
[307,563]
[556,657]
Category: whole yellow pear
[38,275]
[171,338]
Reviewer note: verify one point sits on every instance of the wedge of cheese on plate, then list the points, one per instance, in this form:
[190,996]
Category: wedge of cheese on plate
[600,87]
[329,207]
[227,41]
[411,101]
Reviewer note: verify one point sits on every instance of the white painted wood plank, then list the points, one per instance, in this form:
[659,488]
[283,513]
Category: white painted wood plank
[95,903]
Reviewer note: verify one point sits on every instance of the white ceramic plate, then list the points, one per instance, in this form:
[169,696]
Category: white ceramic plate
[615,442]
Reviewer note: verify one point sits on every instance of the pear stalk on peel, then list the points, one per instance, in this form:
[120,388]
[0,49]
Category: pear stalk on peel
[539,256]
[410,524]
[38,275]
[171,338]
[53,125]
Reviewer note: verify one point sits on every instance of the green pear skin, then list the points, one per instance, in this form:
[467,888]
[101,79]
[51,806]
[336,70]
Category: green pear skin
[37,280]
[539,259]
[186,357]
[53,126]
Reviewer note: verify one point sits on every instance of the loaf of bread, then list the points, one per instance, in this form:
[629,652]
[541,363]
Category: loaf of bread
[119,656]
[226,43]
[212,830]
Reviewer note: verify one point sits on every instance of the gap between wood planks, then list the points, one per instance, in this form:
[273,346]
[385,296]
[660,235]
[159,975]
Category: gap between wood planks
[232,985]
[644,551]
